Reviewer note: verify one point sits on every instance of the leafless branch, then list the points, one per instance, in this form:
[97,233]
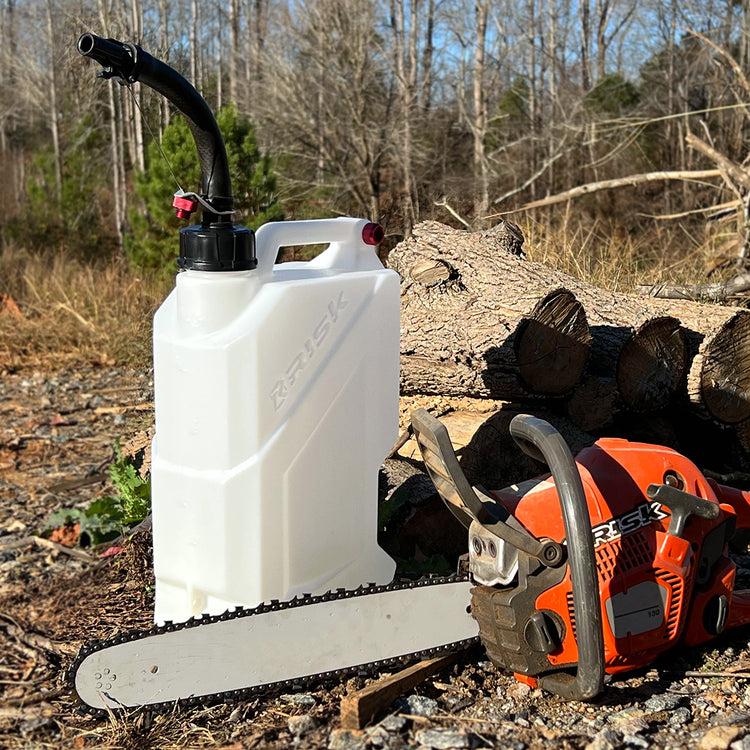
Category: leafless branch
[637,179]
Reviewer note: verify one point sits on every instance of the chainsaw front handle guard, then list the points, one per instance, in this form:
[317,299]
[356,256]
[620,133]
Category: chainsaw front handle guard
[462,500]
[542,441]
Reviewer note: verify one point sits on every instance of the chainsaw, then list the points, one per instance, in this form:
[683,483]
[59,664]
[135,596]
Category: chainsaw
[596,568]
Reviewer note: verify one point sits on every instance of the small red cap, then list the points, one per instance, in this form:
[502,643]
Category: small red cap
[372,234]
[184,206]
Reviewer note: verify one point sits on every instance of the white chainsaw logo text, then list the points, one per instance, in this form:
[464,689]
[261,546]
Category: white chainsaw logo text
[642,515]
[283,386]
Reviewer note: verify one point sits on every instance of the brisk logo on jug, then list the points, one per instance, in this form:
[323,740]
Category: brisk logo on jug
[283,386]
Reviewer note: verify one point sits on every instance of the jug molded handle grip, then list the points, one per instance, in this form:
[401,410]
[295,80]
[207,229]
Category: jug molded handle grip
[350,243]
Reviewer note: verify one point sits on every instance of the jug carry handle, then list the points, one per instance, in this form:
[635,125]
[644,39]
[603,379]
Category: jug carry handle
[350,243]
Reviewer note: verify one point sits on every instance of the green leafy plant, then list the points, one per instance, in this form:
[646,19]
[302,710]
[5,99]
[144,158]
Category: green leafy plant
[106,518]
[134,492]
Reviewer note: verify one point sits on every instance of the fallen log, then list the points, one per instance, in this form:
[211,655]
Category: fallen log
[493,460]
[718,340]
[716,292]
[477,320]
[594,403]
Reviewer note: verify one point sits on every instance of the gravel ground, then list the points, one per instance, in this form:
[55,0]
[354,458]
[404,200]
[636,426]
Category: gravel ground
[56,437]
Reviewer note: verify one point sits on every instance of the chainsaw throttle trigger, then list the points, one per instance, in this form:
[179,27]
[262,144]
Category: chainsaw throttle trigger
[682,505]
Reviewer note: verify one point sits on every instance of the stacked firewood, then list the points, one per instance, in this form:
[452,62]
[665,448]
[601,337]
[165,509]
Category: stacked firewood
[479,319]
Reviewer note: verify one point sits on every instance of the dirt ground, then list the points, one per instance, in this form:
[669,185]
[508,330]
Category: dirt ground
[56,440]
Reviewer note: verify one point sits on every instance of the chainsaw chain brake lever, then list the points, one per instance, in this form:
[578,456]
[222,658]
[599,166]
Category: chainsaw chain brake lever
[464,501]
[682,505]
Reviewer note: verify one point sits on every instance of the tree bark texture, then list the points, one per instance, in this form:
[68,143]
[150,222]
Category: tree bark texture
[478,320]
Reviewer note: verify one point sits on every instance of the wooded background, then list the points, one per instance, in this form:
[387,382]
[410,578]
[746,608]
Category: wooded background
[401,111]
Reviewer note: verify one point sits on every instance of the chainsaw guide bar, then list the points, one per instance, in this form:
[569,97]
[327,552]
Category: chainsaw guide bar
[279,645]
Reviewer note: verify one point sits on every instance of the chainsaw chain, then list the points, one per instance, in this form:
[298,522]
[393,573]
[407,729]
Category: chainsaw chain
[233,696]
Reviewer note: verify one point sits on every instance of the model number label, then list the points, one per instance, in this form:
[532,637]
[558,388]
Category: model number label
[642,515]
[302,359]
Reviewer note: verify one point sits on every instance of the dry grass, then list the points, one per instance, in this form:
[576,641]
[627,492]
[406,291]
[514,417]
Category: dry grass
[616,258]
[74,313]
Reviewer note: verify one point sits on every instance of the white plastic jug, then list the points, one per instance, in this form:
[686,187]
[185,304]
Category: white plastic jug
[276,396]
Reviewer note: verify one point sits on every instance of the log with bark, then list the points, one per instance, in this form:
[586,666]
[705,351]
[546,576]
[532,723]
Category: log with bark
[718,380]
[641,349]
[479,320]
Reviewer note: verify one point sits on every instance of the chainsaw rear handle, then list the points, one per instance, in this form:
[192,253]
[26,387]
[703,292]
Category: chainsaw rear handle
[542,441]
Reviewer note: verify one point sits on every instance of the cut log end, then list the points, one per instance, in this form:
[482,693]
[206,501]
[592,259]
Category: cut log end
[652,364]
[724,378]
[552,344]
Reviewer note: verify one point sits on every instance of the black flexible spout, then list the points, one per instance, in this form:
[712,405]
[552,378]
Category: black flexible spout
[131,63]
[217,244]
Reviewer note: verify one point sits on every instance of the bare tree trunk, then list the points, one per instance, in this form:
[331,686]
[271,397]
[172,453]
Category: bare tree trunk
[196,65]
[479,126]
[745,37]
[256,29]
[7,67]
[603,13]
[585,46]
[405,64]
[136,8]
[427,54]
[533,117]
[234,49]
[53,121]
[552,54]
[164,50]
[118,165]
[219,57]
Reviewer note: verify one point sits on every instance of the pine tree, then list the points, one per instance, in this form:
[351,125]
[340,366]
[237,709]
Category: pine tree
[154,244]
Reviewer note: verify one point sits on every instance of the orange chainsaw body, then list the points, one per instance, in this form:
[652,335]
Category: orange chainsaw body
[656,589]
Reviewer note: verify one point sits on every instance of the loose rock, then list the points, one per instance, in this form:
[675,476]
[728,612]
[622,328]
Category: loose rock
[393,723]
[663,702]
[299,699]
[679,717]
[719,738]
[347,739]
[442,739]
[606,739]
[301,725]
[419,705]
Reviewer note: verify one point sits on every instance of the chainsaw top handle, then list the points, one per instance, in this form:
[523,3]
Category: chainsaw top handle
[542,441]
